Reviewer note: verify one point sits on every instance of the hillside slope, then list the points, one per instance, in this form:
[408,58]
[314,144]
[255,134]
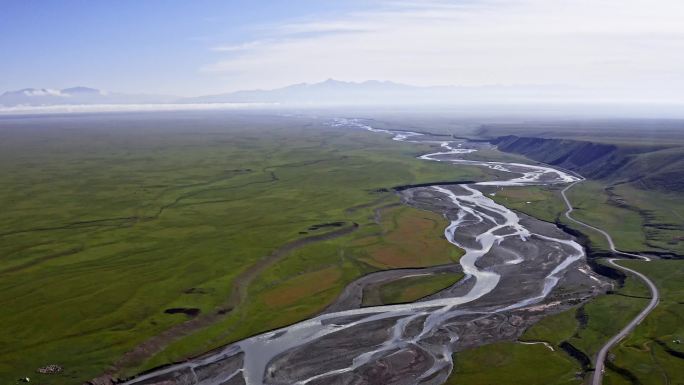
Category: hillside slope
[656,167]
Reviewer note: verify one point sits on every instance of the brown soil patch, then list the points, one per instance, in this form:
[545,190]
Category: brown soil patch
[302,286]
[412,238]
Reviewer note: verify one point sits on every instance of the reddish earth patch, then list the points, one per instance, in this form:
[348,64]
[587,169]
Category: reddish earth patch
[302,286]
[411,238]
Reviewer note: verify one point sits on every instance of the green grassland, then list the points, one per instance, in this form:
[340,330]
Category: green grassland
[402,233]
[546,203]
[612,131]
[509,363]
[662,215]
[409,289]
[108,221]
[651,354]
[638,220]
[586,328]
[542,202]
[634,170]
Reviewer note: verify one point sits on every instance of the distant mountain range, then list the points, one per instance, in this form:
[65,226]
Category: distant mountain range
[335,92]
[329,92]
[75,95]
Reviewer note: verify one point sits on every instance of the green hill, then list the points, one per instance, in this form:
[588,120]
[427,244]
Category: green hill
[656,167]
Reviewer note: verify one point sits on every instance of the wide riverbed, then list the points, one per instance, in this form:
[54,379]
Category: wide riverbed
[512,264]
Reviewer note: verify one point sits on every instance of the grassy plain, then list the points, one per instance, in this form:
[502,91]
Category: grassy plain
[651,354]
[407,238]
[542,202]
[413,236]
[628,132]
[654,352]
[109,220]
[408,289]
[638,220]
[546,203]
[592,205]
[662,215]
[510,363]
[586,328]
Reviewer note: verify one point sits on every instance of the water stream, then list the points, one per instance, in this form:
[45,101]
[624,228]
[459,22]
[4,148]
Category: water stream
[263,353]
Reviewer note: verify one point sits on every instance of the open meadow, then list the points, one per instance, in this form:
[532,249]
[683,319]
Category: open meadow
[652,355]
[639,221]
[118,228]
[135,240]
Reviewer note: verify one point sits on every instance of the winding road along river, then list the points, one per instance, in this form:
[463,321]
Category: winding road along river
[599,360]
[512,264]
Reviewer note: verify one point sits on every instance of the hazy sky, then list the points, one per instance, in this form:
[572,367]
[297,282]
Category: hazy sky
[199,47]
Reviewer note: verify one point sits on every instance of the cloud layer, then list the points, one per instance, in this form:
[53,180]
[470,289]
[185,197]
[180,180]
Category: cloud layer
[97,108]
[621,46]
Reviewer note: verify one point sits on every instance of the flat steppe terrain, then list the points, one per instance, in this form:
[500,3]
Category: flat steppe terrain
[130,241]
